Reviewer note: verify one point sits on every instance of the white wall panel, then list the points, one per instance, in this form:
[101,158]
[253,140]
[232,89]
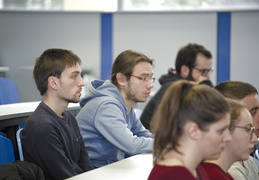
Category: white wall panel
[24,36]
[161,35]
[245,47]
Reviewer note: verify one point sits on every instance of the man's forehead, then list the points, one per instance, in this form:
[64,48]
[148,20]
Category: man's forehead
[201,60]
[143,67]
[251,101]
[72,69]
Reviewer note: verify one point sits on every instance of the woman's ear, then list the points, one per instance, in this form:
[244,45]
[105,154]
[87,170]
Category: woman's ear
[121,79]
[193,130]
[185,70]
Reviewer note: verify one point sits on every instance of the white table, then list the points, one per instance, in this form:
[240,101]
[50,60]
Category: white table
[3,70]
[11,115]
[136,167]
[8,111]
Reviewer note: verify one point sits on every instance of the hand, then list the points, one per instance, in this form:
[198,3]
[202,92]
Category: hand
[198,80]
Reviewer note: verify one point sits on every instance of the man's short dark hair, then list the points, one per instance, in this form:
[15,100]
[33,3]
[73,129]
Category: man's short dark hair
[236,89]
[52,62]
[187,56]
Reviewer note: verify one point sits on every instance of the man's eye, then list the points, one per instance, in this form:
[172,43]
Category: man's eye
[74,76]
[253,111]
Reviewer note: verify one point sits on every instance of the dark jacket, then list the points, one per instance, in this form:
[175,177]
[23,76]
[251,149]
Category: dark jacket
[165,80]
[20,170]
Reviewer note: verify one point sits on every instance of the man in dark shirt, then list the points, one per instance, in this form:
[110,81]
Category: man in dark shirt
[193,63]
[51,138]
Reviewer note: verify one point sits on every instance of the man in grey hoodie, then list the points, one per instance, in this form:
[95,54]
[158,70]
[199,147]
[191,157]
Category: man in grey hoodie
[107,121]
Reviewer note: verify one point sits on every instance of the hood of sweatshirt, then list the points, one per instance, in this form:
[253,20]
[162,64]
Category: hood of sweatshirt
[98,88]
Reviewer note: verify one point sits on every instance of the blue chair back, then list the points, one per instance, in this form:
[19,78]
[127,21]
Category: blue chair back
[19,143]
[6,151]
[8,91]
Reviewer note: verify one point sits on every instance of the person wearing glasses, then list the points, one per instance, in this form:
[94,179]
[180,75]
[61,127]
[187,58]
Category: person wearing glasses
[234,162]
[247,94]
[193,63]
[244,92]
[107,120]
[191,124]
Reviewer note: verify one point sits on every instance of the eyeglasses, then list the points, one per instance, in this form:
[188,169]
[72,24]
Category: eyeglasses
[204,72]
[248,129]
[145,79]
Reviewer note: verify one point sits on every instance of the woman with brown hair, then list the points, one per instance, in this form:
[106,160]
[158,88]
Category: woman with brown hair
[238,150]
[191,124]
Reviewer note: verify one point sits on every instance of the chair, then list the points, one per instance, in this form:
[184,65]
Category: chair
[19,143]
[2,133]
[8,91]
[6,148]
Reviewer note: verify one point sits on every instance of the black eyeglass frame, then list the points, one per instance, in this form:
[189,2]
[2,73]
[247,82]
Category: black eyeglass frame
[204,72]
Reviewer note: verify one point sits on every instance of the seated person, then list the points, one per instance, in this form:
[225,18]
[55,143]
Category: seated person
[193,63]
[247,94]
[191,124]
[107,120]
[236,151]
[51,138]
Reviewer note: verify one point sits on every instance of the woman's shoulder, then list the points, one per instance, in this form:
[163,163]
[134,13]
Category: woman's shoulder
[170,172]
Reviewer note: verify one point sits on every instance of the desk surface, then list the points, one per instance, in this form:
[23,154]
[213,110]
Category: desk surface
[9,111]
[3,69]
[133,168]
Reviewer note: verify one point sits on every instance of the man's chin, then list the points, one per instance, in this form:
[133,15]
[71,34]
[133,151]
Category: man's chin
[141,100]
[73,100]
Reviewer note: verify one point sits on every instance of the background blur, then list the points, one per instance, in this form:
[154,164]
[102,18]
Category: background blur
[98,30]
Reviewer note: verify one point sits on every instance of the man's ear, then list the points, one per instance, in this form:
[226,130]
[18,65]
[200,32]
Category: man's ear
[52,82]
[121,79]
[185,70]
[193,130]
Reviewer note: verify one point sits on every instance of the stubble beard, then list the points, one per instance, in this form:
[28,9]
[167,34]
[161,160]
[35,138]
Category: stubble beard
[72,100]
